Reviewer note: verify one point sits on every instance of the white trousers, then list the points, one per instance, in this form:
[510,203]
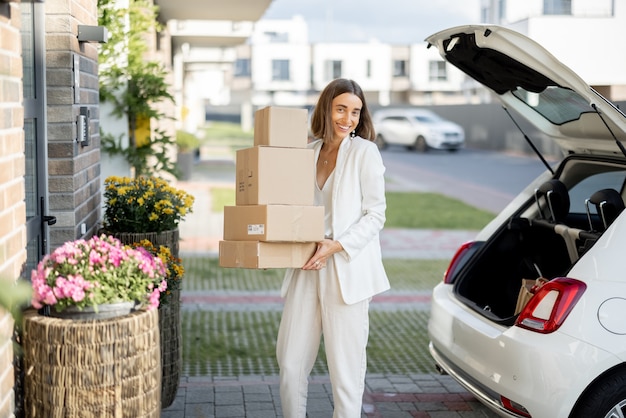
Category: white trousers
[313,305]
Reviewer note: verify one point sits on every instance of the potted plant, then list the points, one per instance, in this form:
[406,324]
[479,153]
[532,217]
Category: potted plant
[143,204]
[88,277]
[187,144]
[145,208]
[97,361]
[174,268]
[148,208]
[170,336]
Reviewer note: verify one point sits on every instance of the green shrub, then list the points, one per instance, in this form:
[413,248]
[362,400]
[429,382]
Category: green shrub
[186,141]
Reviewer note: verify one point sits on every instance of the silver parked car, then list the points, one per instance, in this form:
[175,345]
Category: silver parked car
[531,315]
[418,129]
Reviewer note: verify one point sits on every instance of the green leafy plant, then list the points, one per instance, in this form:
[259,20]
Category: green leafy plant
[14,295]
[135,86]
[143,204]
[186,141]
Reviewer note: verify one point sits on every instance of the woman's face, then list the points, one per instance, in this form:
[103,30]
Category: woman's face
[346,111]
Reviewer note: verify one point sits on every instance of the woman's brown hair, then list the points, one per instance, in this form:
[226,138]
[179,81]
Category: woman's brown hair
[321,122]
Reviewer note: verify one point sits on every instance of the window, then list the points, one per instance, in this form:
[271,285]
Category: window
[557,104]
[484,14]
[399,68]
[280,70]
[557,7]
[588,186]
[242,67]
[437,71]
[332,69]
[501,10]
[277,37]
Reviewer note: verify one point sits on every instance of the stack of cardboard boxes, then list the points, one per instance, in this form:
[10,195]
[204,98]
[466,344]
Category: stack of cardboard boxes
[274,223]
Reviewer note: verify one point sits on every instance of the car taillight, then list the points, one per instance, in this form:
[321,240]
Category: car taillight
[546,311]
[456,261]
[514,407]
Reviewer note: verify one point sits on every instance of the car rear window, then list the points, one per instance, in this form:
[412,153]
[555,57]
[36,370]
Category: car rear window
[556,104]
[584,189]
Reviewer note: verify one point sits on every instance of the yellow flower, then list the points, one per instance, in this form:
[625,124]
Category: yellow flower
[173,265]
[144,204]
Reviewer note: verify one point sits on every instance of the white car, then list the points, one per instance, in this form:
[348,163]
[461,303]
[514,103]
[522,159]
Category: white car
[418,129]
[564,353]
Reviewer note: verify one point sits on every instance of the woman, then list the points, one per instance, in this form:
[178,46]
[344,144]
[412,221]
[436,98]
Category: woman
[331,293]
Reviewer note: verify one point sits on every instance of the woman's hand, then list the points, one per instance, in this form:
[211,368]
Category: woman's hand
[325,249]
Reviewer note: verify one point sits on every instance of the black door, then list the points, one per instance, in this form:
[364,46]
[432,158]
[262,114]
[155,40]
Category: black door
[35,146]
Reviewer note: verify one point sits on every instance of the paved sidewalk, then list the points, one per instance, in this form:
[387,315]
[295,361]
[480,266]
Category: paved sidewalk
[390,396]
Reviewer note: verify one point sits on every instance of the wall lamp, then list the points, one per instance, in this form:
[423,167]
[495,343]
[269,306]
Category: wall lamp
[88,33]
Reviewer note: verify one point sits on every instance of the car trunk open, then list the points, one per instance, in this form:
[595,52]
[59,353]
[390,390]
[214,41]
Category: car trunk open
[588,128]
[535,242]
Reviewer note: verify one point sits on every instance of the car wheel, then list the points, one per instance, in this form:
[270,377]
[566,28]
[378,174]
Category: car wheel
[606,398]
[420,144]
[453,149]
[380,142]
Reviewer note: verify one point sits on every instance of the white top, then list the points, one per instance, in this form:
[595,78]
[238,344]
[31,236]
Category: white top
[324,197]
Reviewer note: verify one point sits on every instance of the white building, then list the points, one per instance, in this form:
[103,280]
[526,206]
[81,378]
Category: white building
[280,62]
[278,66]
[584,34]
[367,63]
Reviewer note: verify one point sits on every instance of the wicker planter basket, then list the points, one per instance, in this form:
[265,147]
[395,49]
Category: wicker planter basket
[170,239]
[171,348]
[169,315]
[92,368]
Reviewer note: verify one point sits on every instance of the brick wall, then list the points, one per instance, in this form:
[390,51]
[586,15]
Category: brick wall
[12,207]
[73,168]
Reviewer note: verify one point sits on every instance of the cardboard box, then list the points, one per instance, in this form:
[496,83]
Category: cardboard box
[274,176]
[263,255]
[281,127]
[274,223]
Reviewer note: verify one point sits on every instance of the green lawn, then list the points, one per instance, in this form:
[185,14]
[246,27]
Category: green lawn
[243,342]
[226,134]
[405,210]
[236,343]
[203,274]
[433,211]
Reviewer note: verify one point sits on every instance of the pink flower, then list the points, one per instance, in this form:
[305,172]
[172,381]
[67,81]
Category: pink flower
[154,299]
[100,270]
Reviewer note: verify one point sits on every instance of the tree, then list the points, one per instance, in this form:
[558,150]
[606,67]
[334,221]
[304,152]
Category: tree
[134,86]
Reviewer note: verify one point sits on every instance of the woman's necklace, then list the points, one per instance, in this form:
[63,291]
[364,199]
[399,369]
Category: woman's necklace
[327,157]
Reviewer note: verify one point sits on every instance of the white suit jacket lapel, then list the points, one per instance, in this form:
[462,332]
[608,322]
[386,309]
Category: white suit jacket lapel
[340,165]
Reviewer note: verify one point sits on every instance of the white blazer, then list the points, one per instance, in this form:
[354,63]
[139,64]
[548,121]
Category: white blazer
[358,205]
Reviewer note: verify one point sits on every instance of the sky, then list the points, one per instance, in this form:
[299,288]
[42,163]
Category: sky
[389,21]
